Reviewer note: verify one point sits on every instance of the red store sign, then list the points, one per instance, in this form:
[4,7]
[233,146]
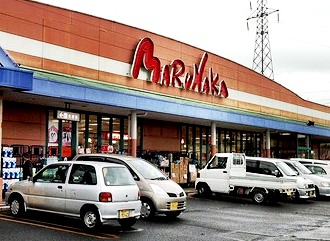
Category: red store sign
[169,75]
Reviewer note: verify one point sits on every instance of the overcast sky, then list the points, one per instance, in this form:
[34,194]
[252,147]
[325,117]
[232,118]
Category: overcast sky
[300,41]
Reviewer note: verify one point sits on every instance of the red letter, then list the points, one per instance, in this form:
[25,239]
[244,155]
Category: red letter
[198,73]
[165,75]
[206,85]
[176,71]
[223,90]
[187,81]
[214,81]
[145,53]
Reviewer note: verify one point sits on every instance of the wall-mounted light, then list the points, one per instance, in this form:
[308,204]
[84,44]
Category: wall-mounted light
[310,123]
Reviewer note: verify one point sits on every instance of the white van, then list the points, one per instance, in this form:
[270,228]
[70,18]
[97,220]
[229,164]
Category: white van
[277,167]
[322,184]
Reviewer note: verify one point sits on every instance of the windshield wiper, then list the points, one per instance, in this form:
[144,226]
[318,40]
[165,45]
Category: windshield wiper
[159,178]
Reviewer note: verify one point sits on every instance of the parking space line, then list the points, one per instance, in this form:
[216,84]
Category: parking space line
[59,228]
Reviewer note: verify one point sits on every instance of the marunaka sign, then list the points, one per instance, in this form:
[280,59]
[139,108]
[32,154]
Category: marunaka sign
[174,74]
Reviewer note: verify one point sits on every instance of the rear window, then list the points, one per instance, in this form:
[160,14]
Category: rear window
[117,176]
[83,174]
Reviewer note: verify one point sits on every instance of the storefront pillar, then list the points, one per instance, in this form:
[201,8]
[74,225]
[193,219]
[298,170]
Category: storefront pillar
[133,133]
[213,138]
[268,143]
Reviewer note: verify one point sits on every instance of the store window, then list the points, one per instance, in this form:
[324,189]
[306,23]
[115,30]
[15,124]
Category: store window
[233,141]
[205,145]
[81,133]
[53,134]
[222,140]
[66,139]
[238,142]
[198,142]
[190,139]
[92,146]
[183,139]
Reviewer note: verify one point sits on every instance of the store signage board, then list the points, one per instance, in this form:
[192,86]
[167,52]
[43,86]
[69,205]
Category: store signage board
[65,115]
[174,74]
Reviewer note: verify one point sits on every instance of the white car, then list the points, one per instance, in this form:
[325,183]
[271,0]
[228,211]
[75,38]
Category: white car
[277,167]
[159,194]
[322,184]
[95,192]
[311,161]
[318,169]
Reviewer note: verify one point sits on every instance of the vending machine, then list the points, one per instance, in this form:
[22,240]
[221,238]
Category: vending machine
[10,172]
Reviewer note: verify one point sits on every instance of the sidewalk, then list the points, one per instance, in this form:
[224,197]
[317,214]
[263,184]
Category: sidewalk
[189,191]
[3,206]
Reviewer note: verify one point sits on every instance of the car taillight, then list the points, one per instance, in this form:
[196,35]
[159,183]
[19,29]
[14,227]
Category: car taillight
[105,197]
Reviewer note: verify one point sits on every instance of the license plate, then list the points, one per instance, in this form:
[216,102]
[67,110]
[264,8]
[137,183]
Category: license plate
[174,205]
[123,213]
[311,194]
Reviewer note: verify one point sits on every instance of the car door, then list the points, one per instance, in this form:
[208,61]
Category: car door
[81,188]
[48,189]
[218,174]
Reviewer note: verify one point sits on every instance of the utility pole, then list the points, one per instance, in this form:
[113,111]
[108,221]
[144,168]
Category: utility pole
[262,59]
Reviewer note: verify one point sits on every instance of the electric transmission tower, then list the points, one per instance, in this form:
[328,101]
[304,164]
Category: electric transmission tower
[262,59]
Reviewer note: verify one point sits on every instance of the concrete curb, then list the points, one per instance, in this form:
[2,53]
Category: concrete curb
[3,207]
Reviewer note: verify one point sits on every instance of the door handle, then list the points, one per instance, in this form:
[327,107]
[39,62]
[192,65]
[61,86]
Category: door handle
[59,187]
[224,171]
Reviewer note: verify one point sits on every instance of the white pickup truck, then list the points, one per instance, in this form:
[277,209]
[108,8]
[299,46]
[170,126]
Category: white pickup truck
[226,173]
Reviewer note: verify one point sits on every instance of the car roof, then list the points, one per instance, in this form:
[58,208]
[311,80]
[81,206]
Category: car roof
[94,163]
[117,156]
[311,161]
[268,159]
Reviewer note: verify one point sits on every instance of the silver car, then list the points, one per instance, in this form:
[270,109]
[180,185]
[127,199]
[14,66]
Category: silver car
[322,184]
[95,192]
[159,194]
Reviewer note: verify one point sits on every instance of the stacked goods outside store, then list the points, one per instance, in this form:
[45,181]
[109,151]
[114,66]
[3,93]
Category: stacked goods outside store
[183,172]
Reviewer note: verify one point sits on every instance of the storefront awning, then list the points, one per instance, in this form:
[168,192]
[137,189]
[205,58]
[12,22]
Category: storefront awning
[16,78]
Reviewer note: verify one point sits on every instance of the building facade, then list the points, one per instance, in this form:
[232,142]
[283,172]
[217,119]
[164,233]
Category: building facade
[74,83]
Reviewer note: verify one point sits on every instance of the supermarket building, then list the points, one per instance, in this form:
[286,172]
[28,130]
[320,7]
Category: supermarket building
[74,83]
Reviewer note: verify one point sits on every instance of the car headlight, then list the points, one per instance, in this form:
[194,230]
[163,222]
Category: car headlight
[325,184]
[157,189]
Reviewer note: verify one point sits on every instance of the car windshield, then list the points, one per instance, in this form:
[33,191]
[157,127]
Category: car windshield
[117,176]
[147,170]
[301,168]
[286,169]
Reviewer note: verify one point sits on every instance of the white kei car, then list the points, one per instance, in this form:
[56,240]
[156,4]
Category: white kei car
[95,192]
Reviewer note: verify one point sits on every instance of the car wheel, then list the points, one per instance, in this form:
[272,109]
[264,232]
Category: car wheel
[127,222]
[173,214]
[203,190]
[90,219]
[16,204]
[259,196]
[148,209]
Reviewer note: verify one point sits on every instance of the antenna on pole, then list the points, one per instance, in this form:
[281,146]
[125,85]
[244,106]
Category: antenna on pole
[262,59]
